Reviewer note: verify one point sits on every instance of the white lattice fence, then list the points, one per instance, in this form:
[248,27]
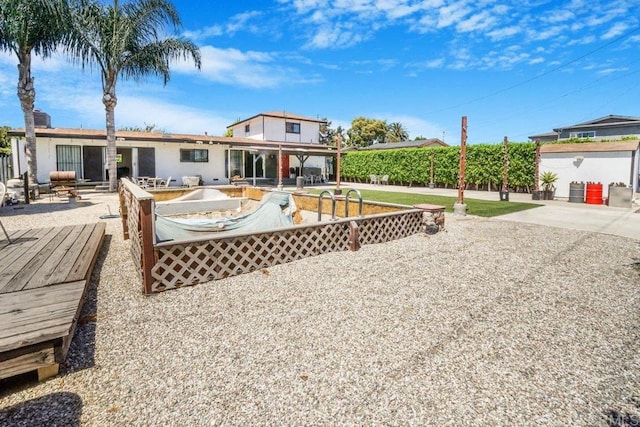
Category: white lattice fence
[392,226]
[196,262]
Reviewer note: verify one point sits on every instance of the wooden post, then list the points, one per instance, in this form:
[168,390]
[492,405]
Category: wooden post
[338,191]
[431,183]
[536,182]
[505,165]
[279,166]
[148,253]
[123,211]
[354,236]
[463,160]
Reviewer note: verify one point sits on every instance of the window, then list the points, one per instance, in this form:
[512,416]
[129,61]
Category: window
[293,127]
[69,158]
[194,156]
[589,134]
[247,127]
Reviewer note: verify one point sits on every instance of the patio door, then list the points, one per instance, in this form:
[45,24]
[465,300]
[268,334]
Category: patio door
[146,161]
[93,163]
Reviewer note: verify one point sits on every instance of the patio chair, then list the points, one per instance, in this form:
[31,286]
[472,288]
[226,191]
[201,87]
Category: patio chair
[384,180]
[374,179]
[3,191]
[166,183]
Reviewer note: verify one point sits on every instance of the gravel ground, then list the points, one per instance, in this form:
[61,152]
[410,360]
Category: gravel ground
[487,323]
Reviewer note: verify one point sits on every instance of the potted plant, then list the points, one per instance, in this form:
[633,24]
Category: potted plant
[620,195]
[548,180]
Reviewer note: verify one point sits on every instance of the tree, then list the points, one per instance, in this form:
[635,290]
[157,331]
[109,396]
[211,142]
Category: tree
[396,132]
[125,41]
[364,132]
[30,27]
[328,135]
[5,141]
[147,128]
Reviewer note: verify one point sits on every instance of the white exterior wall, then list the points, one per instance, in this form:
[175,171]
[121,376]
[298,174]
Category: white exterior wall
[603,167]
[274,129]
[167,158]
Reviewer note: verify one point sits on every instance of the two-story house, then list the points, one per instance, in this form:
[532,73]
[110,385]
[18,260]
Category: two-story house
[284,127]
[215,159]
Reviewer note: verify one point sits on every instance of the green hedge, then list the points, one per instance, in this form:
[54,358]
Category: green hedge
[412,165]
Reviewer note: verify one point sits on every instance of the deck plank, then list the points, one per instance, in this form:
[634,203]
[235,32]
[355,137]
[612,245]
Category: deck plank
[11,252]
[88,255]
[42,275]
[59,302]
[27,256]
[39,304]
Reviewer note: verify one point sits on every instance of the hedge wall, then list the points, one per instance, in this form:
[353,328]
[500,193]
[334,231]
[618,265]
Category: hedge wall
[412,165]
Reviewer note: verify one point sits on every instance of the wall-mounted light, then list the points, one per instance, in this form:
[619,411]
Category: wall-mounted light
[119,138]
[579,158]
[198,142]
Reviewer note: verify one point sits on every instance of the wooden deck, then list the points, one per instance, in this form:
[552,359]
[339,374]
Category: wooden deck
[43,278]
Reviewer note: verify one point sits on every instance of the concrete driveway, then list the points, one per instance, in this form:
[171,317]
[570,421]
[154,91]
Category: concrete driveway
[554,213]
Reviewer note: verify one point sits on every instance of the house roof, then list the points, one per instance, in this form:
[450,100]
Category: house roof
[279,115]
[432,142]
[544,135]
[586,147]
[606,121]
[176,138]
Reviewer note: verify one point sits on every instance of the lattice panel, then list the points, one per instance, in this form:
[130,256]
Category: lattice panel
[389,227]
[192,263]
[133,225]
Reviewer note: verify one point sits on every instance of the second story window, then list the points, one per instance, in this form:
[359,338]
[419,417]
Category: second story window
[586,134]
[293,127]
[247,128]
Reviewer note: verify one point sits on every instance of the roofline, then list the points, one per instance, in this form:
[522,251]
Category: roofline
[274,115]
[590,147]
[232,142]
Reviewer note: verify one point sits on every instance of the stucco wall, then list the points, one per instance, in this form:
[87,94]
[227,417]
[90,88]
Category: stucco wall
[167,158]
[603,167]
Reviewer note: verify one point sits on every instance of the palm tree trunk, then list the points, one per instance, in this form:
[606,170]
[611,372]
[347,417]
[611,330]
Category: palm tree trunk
[109,100]
[27,96]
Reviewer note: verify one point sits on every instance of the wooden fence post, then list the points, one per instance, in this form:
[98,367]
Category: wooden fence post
[148,252]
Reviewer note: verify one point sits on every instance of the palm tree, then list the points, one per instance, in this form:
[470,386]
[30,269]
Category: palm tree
[396,132]
[28,27]
[125,41]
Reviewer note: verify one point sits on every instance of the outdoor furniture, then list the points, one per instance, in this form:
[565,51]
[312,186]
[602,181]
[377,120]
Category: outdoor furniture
[166,183]
[384,180]
[190,181]
[63,183]
[374,179]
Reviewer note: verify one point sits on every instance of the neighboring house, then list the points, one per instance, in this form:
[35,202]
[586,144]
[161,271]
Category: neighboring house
[610,127]
[604,162]
[216,159]
[431,142]
[287,127]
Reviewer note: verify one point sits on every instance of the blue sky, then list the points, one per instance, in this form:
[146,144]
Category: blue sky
[513,67]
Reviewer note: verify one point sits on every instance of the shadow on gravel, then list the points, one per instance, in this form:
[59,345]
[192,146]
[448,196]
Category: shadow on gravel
[61,409]
[38,208]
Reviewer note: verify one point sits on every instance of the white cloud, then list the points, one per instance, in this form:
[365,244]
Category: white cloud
[248,69]
[504,32]
[477,22]
[615,30]
[416,126]
[237,23]
[450,15]
[608,71]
